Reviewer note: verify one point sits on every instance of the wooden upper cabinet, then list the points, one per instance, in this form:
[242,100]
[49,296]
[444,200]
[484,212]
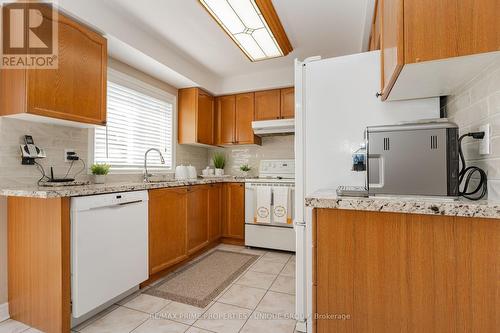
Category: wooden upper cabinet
[374,43]
[75,91]
[235,114]
[244,117]
[226,113]
[167,228]
[414,33]
[267,105]
[287,103]
[196,117]
[233,200]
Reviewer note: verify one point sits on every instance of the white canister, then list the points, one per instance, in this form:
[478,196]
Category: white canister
[192,172]
[219,172]
[181,172]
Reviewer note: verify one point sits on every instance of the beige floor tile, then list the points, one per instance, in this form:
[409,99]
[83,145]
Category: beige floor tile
[12,326]
[268,265]
[262,322]
[181,313]
[243,296]
[229,247]
[277,303]
[284,284]
[147,303]
[223,318]
[193,329]
[257,252]
[256,279]
[289,269]
[98,316]
[161,326]
[121,320]
[278,256]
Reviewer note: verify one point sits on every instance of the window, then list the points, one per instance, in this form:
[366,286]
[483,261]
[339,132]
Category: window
[139,117]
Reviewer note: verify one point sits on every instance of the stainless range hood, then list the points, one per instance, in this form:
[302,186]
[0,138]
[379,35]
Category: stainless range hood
[273,127]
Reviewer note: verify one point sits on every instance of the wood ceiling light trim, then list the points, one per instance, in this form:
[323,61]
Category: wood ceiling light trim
[273,21]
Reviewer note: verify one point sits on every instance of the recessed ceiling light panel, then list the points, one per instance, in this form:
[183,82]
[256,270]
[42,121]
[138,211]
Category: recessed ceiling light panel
[246,22]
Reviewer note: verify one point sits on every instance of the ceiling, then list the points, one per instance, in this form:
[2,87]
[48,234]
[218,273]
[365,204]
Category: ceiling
[326,28]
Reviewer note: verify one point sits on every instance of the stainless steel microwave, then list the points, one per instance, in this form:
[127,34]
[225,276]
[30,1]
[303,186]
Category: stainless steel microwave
[413,159]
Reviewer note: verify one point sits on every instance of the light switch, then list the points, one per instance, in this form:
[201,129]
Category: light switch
[484,144]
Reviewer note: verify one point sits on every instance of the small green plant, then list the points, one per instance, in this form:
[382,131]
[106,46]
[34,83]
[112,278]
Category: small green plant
[100,169]
[219,160]
[245,168]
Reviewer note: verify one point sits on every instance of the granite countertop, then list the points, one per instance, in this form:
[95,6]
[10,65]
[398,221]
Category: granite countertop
[34,191]
[328,198]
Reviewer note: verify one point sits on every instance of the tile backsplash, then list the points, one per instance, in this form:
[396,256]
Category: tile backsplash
[275,147]
[472,105]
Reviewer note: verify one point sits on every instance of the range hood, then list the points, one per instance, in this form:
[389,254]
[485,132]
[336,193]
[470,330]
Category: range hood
[273,127]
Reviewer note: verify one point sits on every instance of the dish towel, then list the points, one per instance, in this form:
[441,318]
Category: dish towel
[263,211]
[281,208]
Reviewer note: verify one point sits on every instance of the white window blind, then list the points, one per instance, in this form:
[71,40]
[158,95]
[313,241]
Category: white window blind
[135,123]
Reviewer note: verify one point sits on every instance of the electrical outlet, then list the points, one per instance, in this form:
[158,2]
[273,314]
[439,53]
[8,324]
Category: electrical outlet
[484,144]
[68,152]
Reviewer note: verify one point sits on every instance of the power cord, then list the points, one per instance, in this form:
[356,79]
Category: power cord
[466,172]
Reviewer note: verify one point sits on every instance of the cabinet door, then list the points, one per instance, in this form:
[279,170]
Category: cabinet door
[167,228]
[244,118]
[479,30]
[205,119]
[391,48]
[214,212]
[287,103]
[226,112]
[267,104]
[234,211]
[75,91]
[197,217]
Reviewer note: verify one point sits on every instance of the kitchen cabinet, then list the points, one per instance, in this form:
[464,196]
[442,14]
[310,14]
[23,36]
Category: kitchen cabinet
[275,104]
[233,222]
[167,228]
[287,103]
[214,212]
[430,47]
[374,42]
[393,272]
[75,91]
[196,117]
[268,105]
[197,217]
[235,114]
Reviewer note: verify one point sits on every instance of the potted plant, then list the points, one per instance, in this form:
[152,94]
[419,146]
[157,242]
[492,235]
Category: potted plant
[219,160]
[100,171]
[245,169]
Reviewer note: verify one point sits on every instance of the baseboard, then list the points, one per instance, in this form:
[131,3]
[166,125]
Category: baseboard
[4,311]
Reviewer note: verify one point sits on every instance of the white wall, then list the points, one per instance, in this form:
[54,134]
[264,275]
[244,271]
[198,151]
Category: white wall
[474,104]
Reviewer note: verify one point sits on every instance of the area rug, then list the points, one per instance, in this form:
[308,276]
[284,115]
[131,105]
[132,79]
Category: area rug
[199,282]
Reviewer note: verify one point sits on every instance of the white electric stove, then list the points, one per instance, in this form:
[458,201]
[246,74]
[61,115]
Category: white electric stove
[278,236]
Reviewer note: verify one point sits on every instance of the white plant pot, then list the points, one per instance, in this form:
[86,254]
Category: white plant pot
[99,179]
[219,172]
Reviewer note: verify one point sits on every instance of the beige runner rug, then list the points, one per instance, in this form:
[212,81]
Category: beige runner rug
[201,281]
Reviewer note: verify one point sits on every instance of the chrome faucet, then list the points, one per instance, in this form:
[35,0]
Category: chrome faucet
[146,173]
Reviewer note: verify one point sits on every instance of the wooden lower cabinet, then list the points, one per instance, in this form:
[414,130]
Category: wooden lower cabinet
[167,228]
[389,272]
[197,217]
[233,201]
[214,212]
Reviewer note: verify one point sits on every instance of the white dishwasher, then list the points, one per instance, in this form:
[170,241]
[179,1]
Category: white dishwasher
[109,247]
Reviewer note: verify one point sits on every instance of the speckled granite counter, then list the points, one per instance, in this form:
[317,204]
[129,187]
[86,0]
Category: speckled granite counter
[34,191]
[329,199]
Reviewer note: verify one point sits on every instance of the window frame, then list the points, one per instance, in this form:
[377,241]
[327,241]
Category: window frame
[147,89]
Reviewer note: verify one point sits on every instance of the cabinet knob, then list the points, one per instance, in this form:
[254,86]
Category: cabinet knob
[378,94]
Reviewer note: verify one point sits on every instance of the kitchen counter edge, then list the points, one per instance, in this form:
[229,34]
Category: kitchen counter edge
[416,205]
[95,189]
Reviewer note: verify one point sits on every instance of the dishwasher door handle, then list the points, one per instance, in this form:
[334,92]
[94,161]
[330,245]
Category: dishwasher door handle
[119,205]
[129,203]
